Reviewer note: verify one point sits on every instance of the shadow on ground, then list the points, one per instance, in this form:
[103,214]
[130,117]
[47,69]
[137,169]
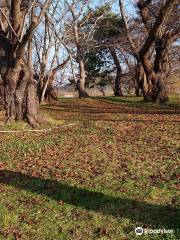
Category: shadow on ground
[88,110]
[144,213]
[107,106]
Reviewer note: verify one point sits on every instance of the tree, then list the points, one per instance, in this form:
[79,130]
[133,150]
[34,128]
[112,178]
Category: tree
[98,65]
[108,30]
[77,28]
[81,39]
[47,58]
[158,40]
[19,84]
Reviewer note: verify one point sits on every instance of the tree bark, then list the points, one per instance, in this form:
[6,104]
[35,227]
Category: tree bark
[1,94]
[19,86]
[140,81]
[81,81]
[161,68]
[20,95]
[117,85]
[156,76]
[46,90]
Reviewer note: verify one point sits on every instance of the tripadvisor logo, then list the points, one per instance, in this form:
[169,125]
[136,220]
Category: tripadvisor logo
[139,231]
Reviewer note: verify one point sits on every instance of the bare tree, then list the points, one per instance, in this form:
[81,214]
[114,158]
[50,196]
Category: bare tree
[76,12]
[47,57]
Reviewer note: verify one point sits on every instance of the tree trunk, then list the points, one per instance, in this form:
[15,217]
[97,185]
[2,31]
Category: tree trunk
[161,68]
[117,85]
[1,94]
[51,93]
[19,85]
[80,84]
[140,81]
[156,76]
[20,95]
[102,91]
[81,81]
[31,103]
[45,89]
[137,91]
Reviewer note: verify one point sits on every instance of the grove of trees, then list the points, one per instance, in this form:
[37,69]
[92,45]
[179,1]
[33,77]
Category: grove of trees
[45,43]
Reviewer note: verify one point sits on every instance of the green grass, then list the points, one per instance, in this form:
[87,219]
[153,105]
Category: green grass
[116,169]
[138,102]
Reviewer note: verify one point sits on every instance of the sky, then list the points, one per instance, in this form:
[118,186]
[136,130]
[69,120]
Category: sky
[128,5]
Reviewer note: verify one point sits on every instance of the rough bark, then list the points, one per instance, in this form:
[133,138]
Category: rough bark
[117,85]
[154,74]
[19,85]
[31,102]
[164,13]
[20,95]
[47,91]
[161,67]
[1,94]
[141,81]
[81,81]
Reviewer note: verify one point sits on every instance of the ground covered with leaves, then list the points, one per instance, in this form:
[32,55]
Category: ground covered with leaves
[115,169]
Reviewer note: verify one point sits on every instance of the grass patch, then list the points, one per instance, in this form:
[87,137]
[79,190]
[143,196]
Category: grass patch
[19,125]
[100,179]
[138,102]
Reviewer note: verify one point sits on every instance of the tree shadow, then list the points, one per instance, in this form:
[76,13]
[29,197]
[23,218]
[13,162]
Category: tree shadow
[139,211]
[111,108]
[87,110]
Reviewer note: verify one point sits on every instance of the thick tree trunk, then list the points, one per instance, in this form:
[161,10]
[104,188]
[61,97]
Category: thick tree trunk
[19,85]
[81,89]
[43,91]
[20,95]
[159,92]
[156,76]
[117,84]
[1,94]
[31,103]
[137,91]
[161,68]
[12,98]
[46,90]
[51,94]
[140,81]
